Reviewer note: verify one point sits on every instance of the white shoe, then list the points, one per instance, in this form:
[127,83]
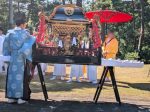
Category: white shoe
[94,82]
[78,80]
[70,80]
[20,101]
[83,77]
[62,78]
[89,81]
[53,78]
[12,101]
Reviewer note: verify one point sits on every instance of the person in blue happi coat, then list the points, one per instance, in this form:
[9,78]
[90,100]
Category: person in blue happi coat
[18,45]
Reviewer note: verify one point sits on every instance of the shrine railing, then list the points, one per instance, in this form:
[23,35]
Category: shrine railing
[45,54]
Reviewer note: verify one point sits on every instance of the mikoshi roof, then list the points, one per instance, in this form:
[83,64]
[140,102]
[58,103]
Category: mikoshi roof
[68,19]
[68,13]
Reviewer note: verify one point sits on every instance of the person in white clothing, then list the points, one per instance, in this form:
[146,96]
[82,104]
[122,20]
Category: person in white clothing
[59,69]
[3,66]
[43,67]
[77,72]
[91,69]
[92,73]
[2,38]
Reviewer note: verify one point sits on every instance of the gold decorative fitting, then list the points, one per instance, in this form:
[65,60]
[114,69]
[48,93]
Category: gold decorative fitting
[69,11]
[67,29]
[69,19]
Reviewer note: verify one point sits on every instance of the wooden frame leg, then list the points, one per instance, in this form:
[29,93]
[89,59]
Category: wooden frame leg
[100,85]
[42,81]
[114,85]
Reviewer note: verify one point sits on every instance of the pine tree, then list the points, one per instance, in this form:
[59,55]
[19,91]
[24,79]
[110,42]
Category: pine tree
[79,3]
[103,4]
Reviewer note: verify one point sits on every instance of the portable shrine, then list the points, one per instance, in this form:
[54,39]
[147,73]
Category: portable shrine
[65,37]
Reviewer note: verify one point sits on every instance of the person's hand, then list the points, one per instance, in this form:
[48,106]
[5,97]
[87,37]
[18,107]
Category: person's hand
[104,52]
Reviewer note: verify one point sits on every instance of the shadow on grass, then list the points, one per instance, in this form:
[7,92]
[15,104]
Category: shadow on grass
[53,86]
[71,106]
[140,86]
[109,84]
[58,85]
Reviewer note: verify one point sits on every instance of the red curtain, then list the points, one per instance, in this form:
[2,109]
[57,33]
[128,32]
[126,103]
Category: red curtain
[41,29]
[96,34]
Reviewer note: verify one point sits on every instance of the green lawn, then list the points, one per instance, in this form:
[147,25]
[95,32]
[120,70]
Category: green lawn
[133,85]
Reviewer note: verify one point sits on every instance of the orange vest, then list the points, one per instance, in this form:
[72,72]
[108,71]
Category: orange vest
[110,46]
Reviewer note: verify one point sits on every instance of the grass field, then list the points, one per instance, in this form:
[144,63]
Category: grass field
[133,85]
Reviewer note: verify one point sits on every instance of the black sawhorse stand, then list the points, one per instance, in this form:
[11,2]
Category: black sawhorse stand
[101,83]
[99,87]
[41,79]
